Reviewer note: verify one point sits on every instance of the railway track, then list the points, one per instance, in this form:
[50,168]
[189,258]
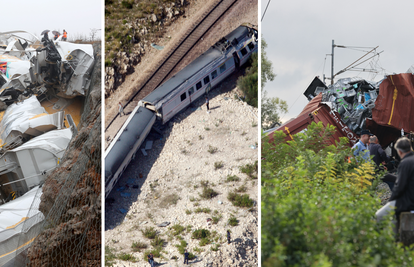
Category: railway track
[185,44]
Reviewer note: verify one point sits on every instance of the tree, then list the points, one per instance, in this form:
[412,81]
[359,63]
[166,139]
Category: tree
[248,83]
[267,69]
[271,108]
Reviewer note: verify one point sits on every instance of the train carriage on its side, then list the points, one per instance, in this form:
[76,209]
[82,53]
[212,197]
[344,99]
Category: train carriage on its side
[192,82]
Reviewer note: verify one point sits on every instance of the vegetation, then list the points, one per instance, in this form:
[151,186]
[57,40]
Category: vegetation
[110,256]
[216,219]
[205,210]
[249,83]
[157,242]
[177,229]
[200,233]
[212,149]
[318,207]
[218,165]
[250,170]
[233,221]
[137,246]
[121,15]
[208,193]
[232,178]
[240,200]
[272,107]
[149,232]
[126,257]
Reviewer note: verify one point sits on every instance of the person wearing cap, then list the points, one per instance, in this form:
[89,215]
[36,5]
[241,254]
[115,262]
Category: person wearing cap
[361,148]
[402,197]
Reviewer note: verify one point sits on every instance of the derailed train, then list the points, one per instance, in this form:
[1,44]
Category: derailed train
[192,82]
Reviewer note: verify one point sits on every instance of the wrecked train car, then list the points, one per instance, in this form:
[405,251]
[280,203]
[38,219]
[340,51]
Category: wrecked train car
[386,108]
[60,66]
[316,112]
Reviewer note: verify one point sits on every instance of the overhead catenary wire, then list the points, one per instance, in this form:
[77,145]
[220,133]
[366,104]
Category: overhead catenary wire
[265,10]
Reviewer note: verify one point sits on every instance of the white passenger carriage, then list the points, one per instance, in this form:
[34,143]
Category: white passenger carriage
[204,72]
[174,95]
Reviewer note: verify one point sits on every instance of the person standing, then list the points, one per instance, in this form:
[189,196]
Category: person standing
[121,109]
[56,35]
[65,35]
[402,196]
[207,104]
[361,148]
[376,150]
[151,259]
[228,237]
[186,254]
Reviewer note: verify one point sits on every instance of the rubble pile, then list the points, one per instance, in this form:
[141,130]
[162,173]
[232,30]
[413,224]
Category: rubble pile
[353,99]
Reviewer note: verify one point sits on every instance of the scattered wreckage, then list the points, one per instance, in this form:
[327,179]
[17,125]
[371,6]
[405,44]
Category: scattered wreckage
[28,67]
[35,75]
[386,108]
[42,89]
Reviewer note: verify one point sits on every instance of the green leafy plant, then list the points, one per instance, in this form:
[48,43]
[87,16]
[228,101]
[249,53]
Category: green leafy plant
[314,200]
[138,245]
[240,200]
[149,232]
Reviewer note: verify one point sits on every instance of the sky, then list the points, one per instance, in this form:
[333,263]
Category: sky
[77,17]
[299,35]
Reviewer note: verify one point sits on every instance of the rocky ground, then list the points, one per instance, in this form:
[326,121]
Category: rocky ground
[165,186]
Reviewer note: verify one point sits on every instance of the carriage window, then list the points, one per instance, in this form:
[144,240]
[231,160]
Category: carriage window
[214,74]
[191,90]
[198,85]
[243,51]
[222,68]
[206,80]
[183,96]
[251,46]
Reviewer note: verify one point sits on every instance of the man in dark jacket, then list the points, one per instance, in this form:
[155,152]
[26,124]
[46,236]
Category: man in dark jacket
[402,196]
[376,150]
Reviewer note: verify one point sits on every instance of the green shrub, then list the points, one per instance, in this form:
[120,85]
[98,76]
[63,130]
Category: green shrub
[137,246]
[208,193]
[240,200]
[205,210]
[127,4]
[216,219]
[200,233]
[110,256]
[157,242]
[318,209]
[232,178]
[215,247]
[149,232]
[212,149]
[181,247]
[178,229]
[233,221]
[204,241]
[126,257]
[241,189]
[250,169]
[218,165]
